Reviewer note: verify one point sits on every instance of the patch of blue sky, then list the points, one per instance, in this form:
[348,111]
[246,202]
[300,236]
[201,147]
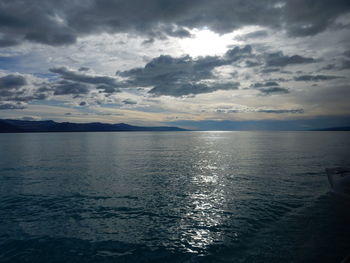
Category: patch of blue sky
[49,76]
[50,103]
[10,63]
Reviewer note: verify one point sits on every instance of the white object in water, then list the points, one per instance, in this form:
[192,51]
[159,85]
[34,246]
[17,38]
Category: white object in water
[339,179]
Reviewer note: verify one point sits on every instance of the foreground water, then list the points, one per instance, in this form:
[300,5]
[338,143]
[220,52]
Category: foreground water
[172,197]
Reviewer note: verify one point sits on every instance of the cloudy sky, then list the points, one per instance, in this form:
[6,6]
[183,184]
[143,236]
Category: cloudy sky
[203,64]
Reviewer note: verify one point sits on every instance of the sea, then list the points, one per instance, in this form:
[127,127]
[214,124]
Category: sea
[247,196]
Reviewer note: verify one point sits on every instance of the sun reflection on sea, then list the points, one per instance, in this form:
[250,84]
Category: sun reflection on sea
[206,202]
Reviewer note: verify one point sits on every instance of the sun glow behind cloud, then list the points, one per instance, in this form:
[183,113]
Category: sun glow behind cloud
[207,43]
[213,61]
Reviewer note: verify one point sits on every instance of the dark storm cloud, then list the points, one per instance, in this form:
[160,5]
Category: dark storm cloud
[76,83]
[315,77]
[129,102]
[67,74]
[10,106]
[184,76]
[270,70]
[329,67]
[266,84]
[278,59]
[22,97]
[177,32]
[273,90]
[12,81]
[269,88]
[309,17]
[250,63]
[345,64]
[65,87]
[148,41]
[255,34]
[163,31]
[237,53]
[167,75]
[8,42]
[61,22]
[54,38]
[16,91]
[107,89]
[294,111]
[190,89]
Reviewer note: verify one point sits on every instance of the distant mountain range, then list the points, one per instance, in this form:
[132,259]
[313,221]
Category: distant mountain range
[11,126]
[18,126]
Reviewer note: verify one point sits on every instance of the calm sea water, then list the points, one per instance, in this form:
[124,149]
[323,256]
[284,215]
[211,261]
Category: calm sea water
[172,197]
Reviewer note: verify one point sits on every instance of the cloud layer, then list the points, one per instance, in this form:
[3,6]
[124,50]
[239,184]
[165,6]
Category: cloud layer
[165,60]
[165,75]
[62,22]
[16,90]
[185,75]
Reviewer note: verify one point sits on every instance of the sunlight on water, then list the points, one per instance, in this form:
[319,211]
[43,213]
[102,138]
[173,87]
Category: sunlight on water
[221,196]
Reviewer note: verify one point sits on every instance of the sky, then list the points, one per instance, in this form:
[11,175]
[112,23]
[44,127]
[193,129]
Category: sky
[200,64]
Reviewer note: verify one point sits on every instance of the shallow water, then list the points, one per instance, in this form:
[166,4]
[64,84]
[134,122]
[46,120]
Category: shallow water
[172,196]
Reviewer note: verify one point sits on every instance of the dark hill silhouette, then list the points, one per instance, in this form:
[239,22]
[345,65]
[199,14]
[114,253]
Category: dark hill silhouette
[7,127]
[52,126]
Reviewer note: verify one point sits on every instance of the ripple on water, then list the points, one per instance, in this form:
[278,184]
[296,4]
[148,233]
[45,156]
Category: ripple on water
[171,197]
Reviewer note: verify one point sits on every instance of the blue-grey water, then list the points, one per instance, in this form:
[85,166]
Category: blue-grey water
[172,197]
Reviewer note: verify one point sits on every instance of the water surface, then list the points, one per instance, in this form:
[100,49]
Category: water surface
[172,196]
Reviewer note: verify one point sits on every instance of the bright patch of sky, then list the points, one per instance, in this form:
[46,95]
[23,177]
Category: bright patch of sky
[219,66]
